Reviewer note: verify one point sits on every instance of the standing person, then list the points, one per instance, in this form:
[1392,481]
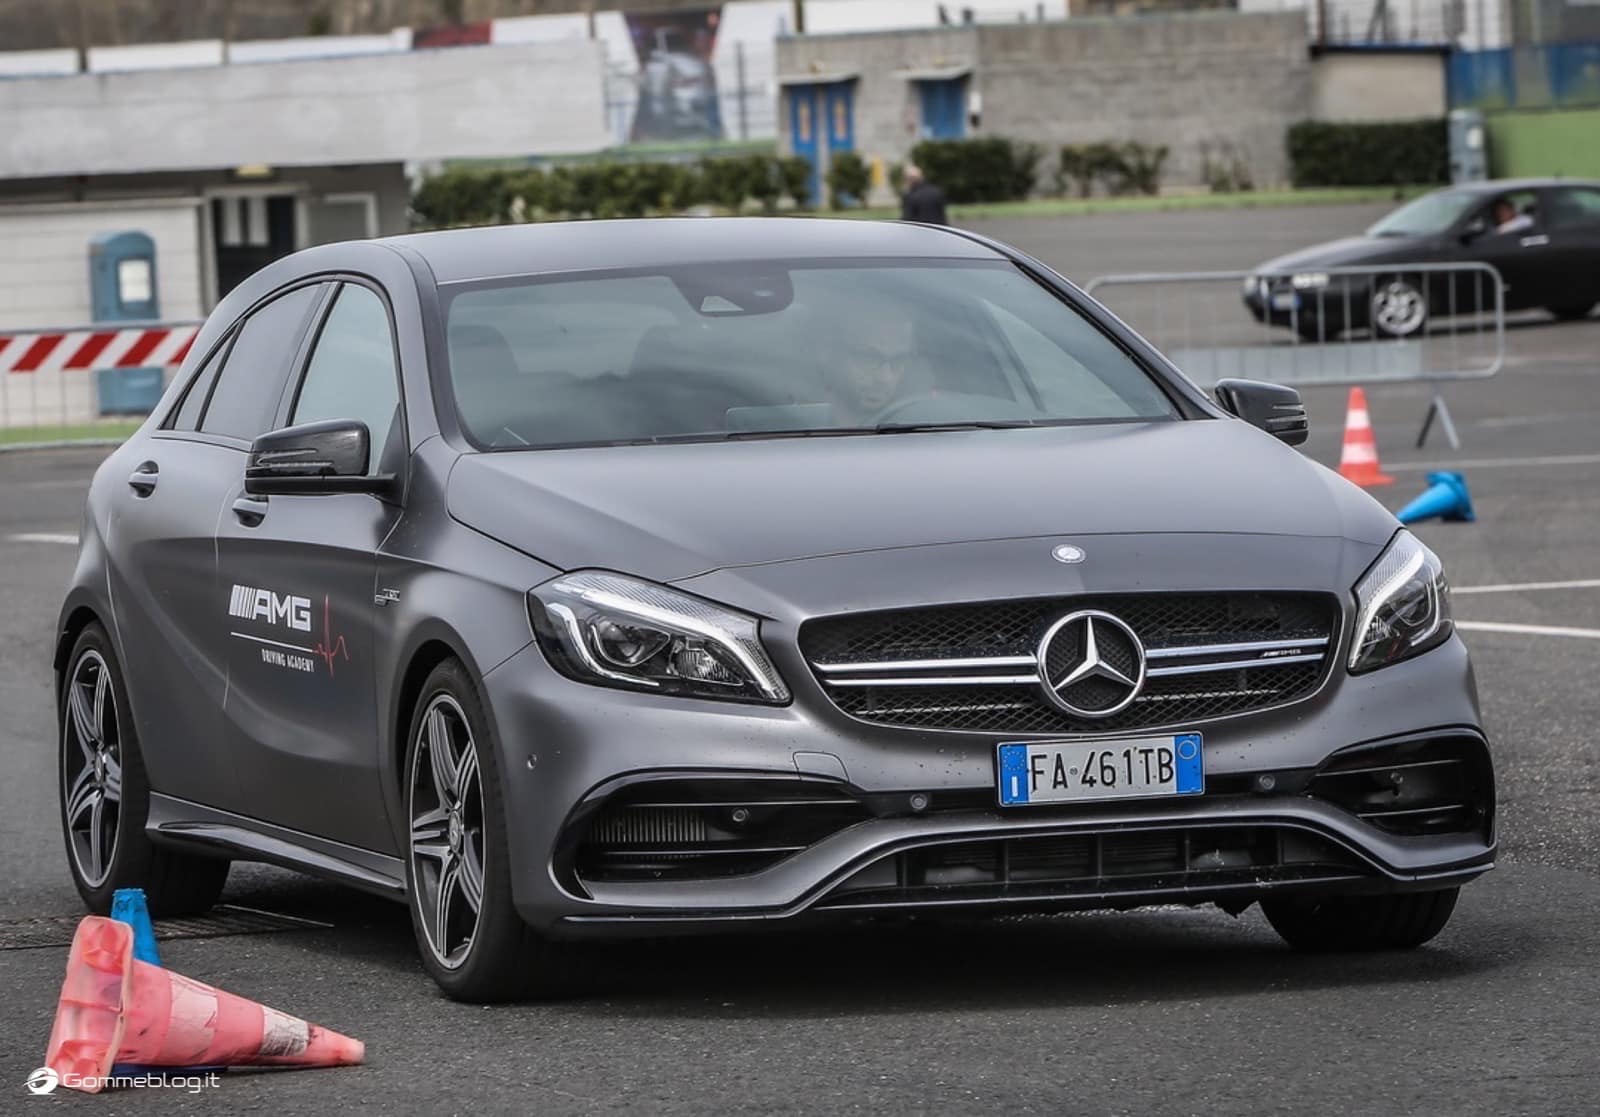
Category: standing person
[922,201]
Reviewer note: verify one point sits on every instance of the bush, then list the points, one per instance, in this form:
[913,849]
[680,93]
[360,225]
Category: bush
[992,169]
[1127,168]
[463,197]
[1409,153]
[794,171]
[849,179]
[1224,169]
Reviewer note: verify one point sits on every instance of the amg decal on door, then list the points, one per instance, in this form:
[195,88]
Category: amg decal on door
[288,610]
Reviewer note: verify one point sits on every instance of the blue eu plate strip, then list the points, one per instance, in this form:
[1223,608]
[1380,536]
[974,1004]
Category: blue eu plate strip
[1013,774]
[1191,770]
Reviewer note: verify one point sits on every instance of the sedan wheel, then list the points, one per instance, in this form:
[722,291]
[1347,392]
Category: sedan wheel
[91,768]
[458,865]
[447,831]
[1399,308]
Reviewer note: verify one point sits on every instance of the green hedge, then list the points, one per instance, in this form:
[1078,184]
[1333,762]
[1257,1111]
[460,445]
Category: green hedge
[992,169]
[1125,168]
[465,196]
[1409,153]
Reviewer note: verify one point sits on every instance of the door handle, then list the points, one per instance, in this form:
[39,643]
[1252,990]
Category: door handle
[250,510]
[1534,241]
[143,480]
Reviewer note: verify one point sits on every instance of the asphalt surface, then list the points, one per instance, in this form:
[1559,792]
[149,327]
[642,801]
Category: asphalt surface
[1164,1012]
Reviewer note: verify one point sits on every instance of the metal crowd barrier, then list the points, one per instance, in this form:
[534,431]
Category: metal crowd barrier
[1317,326]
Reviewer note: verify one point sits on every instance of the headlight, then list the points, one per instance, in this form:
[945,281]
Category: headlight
[1403,605]
[617,631]
[1309,281]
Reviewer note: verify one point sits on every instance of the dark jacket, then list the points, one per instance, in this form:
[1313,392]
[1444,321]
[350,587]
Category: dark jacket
[924,202]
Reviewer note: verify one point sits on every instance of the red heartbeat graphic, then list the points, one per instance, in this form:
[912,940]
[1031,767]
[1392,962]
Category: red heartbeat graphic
[337,648]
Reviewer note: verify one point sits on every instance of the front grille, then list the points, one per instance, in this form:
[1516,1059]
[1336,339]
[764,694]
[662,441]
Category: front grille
[1421,787]
[974,667]
[1097,865]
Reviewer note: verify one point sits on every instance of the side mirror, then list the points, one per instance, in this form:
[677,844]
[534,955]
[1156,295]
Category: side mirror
[325,457]
[1275,409]
[1474,229]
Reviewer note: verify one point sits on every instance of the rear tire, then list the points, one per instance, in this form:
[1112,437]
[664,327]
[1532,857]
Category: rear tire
[458,878]
[1571,313]
[1399,921]
[104,796]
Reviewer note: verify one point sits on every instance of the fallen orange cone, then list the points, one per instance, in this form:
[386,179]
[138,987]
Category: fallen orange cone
[116,1009]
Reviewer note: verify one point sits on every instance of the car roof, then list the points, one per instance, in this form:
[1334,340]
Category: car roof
[455,255]
[1509,185]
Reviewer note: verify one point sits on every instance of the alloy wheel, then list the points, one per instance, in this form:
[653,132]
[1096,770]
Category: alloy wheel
[91,768]
[1398,308]
[446,831]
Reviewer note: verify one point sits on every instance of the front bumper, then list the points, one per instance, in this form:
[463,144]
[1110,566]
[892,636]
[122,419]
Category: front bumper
[567,751]
[1323,312]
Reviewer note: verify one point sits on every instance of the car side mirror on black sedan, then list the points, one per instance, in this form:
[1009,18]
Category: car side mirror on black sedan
[1274,408]
[1474,229]
[329,456]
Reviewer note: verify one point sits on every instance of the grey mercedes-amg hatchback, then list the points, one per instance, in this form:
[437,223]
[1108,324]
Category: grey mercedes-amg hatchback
[567,581]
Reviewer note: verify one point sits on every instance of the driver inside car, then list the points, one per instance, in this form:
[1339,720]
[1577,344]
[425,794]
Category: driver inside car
[866,369]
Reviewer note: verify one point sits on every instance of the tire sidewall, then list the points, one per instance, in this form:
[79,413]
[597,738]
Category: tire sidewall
[1372,310]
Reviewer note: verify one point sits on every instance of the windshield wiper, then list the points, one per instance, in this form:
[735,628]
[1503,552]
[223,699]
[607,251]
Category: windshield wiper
[955,425]
[829,432]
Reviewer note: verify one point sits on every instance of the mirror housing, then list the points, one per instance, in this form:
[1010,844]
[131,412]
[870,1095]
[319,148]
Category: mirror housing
[1274,408]
[329,456]
[1474,229]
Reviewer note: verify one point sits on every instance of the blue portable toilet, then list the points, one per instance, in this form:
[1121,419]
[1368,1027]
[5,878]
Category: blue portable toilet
[122,288]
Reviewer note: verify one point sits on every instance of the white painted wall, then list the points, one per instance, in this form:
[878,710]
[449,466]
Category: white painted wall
[50,288]
[156,56]
[490,101]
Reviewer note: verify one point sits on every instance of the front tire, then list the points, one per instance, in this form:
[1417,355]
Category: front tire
[1399,308]
[458,879]
[1399,921]
[105,796]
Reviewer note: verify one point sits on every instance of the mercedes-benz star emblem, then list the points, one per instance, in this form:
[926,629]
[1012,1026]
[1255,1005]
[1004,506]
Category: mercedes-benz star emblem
[1091,664]
[1068,554]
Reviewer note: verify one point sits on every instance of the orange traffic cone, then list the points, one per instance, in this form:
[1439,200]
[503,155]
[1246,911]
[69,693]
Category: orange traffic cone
[115,1009]
[1358,460]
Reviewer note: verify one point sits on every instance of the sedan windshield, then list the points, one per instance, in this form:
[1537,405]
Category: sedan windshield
[723,351]
[1427,216]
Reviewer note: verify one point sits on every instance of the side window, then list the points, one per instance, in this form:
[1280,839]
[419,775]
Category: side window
[1575,208]
[352,373]
[251,382]
[186,416]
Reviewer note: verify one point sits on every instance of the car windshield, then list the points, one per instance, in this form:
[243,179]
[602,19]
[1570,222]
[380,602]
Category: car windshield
[724,351]
[1429,214]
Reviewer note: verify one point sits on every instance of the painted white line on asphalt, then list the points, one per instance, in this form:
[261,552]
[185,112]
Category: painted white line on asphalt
[1530,629]
[1492,463]
[44,537]
[1518,587]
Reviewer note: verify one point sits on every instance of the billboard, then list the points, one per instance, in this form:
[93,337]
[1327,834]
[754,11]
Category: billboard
[677,86]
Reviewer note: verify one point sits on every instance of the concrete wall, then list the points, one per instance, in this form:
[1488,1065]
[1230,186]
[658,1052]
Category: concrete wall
[52,289]
[1366,86]
[1181,80]
[465,102]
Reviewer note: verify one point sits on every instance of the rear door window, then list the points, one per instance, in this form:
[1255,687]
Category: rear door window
[1575,208]
[186,417]
[248,389]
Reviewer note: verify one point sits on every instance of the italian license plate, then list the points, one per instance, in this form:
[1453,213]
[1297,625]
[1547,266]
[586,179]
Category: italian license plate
[1286,302]
[1081,771]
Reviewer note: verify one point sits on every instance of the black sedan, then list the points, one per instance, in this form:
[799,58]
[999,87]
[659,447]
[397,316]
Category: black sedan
[1541,235]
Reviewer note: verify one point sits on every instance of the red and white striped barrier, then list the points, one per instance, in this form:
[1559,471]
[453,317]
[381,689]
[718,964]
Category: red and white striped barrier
[93,348]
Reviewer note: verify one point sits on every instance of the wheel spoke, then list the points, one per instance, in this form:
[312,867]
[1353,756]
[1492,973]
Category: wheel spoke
[112,784]
[83,723]
[428,834]
[81,797]
[471,878]
[96,842]
[102,685]
[466,772]
[448,877]
[440,756]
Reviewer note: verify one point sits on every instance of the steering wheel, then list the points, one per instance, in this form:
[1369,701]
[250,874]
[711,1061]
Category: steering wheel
[893,411]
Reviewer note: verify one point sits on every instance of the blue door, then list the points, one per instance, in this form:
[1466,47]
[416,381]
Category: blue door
[803,132]
[944,109]
[839,102]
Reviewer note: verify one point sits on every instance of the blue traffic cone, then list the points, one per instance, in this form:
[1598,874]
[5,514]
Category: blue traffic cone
[128,906]
[1447,498]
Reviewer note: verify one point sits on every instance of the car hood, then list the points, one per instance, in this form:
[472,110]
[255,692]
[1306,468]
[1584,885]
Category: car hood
[670,512]
[1346,252]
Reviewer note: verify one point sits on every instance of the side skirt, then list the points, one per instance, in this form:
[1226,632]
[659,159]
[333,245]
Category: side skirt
[178,822]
